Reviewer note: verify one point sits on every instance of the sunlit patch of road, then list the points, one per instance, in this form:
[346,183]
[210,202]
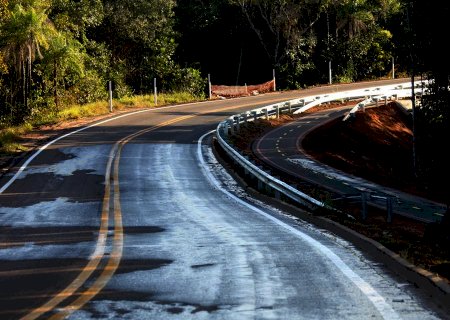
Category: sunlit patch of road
[215,258]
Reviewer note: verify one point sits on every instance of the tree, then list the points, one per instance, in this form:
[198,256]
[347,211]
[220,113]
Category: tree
[75,62]
[285,30]
[359,39]
[25,30]
[77,17]
[62,66]
[141,38]
[427,26]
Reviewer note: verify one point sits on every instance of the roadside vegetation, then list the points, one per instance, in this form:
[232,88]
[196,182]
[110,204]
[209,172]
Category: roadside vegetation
[11,136]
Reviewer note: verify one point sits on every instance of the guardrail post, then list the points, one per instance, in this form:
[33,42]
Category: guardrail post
[238,124]
[224,128]
[260,185]
[301,103]
[266,111]
[363,205]
[389,209]
[231,123]
[246,172]
[245,116]
[288,104]
[255,115]
[277,194]
[277,109]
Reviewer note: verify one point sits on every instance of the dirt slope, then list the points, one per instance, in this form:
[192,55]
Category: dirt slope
[375,144]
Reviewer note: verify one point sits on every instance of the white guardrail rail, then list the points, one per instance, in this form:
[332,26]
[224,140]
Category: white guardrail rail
[232,124]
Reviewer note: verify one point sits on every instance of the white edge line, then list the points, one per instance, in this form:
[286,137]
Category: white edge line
[377,300]
[34,155]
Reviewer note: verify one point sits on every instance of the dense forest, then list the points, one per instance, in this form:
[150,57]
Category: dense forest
[56,53]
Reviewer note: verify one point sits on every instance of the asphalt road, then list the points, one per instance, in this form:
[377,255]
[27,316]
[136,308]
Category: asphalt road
[133,218]
[281,149]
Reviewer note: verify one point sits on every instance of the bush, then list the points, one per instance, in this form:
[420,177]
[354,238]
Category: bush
[188,80]
[90,88]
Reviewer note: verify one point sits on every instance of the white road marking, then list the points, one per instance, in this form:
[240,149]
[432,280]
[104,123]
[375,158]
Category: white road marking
[377,300]
[34,155]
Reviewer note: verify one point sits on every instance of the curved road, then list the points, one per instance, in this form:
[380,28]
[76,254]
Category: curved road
[281,149]
[133,218]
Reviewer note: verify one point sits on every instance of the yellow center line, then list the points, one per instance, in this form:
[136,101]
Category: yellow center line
[116,255]
[93,262]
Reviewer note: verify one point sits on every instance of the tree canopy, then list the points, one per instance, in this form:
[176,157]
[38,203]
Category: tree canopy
[54,53]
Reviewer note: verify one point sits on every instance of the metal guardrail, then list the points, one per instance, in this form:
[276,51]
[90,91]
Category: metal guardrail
[295,106]
[391,94]
[266,178]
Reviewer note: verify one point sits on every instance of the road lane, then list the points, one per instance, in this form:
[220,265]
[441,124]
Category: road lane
[189,251]
[224,263]
[281,149]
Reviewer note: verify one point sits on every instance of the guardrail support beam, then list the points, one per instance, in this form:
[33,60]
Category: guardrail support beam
[238,124]
[231,124]
[245,115]
[288,104]
[363,206]
[224,129]
[389,209]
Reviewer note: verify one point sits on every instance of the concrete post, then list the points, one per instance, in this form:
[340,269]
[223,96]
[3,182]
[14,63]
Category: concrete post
[209,86]
[329,72]
[110,96]
[155,92]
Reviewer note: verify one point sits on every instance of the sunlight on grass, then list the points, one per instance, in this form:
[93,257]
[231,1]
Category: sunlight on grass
[10,136]
[84,111]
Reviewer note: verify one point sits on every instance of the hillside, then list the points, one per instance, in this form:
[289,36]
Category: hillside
[375,144]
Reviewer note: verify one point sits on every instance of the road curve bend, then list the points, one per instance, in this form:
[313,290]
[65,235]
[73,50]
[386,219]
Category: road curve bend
[133,218]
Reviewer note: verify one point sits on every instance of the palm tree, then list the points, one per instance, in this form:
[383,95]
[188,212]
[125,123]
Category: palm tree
[353,18]
[26,30]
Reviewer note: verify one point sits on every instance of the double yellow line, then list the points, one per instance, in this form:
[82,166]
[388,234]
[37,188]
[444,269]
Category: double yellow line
[112,169]
[73,289]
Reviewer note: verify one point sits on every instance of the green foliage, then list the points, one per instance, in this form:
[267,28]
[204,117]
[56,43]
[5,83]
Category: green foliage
[139,21]
[90,88]
[10,137]
[24,32]
[298,64]
[188,80]
[76,17]
[432,132]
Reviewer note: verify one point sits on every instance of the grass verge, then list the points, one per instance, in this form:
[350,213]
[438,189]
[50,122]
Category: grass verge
[11,137]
